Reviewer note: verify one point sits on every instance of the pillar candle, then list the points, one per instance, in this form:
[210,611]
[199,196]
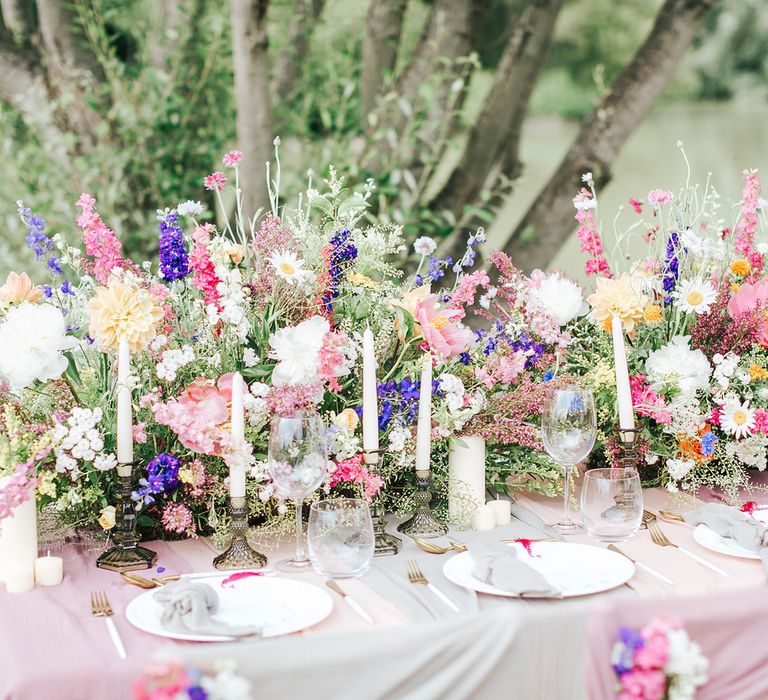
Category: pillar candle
[124,417]
[18,536]
[49,571]
[466,476]
[485,518]
[501,509]
[19,579]
[623,393]
[370,406]
[237,473]
[424,425]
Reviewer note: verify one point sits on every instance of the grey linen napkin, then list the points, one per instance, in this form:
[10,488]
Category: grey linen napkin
[188,606]
[728,522]
[499,565]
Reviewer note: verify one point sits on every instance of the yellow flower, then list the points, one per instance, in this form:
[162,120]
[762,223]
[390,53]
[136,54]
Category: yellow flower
[347,420]
[361,280]
[735,287]
[757,372]
[107,519]
[46,485]
[18,288]
[603,375]
[616,297]
[652,313]
[741,267]
[122,311]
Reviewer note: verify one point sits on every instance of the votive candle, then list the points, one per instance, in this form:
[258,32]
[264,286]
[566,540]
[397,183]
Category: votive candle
[49,571]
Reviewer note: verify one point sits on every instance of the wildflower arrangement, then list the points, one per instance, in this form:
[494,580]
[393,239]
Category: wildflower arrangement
[658,662]
[694,312]
[172,680]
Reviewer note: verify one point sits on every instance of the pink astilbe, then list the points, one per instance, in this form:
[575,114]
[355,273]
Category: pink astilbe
[747,224]
[204,277]
[177,517]
[101,244]
[647,402]
[466,291]
[331,359]
[352,471]
[588,235]
[215,181]
[232,158]
[288,400]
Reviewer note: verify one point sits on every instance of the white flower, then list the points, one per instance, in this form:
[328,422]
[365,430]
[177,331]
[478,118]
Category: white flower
[558,297]
[587,177]
[250,358]
[585,203]
[676,363]
[398,437]
[453,388]
[33,338]
[297,351]
[288,266]
[425,245]
[695,296]
[490,294]
[725,366]
[105,462]
[679,468]
[685,664]
[750,451]
[190,208]
[737,418]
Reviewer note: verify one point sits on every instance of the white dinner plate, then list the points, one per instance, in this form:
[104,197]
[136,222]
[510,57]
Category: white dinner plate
[709,539]
[575,569]
[280,605]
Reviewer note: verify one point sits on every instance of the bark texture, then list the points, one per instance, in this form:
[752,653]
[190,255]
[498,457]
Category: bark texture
[289,62]
[19,16]
[254,130]
[549,221]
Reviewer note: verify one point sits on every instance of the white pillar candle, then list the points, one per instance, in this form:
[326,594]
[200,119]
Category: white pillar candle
[623,393]
[18,536]
[466,476]
[370,405]
[124,410]
[484,519]
[501,509]
[424,425]
[19,579]
[49,571]
[237,421]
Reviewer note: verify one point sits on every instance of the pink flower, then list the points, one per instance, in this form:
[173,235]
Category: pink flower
[646,402]
[643,685]
[747,224]
[659,197]
[331,359]
[177,517]
[288,400]
[215,181]
[204,277]
[654,654]
[588,234]
[751,297]
[465,292]
[352,471]
[761,421]
[100,242]
[440,328]
[231,159]
[140,433]
[636,205]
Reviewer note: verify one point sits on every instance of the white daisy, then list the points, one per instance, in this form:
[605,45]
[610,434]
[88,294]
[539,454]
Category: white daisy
[424,245]
[695,295]
[737,418]
[288,265]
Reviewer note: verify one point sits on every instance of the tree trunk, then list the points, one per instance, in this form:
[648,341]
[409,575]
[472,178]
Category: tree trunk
[549,221]
[383,25]
[169,15]
[254,131]
[496,133]
[289,61]
[64,41]
[19,16]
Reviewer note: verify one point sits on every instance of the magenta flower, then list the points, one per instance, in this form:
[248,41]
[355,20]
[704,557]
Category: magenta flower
[659,197]
[232,158]
[636,205]
[215,181]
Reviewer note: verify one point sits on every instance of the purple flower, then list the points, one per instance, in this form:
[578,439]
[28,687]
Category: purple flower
[624,651]
[708,442]
[174,257]
[66,288]
[342,252]
[162,477]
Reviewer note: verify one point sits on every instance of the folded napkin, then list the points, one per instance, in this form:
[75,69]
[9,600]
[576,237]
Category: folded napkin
[728,522]
[499,565]
[188,606]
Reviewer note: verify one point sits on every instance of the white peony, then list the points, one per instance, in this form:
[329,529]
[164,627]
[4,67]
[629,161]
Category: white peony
[33,338]
[558,297]
[297,351]
[677,364]
[678,468]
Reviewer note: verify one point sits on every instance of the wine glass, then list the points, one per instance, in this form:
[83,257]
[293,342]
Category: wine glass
[569,429]
[298,463]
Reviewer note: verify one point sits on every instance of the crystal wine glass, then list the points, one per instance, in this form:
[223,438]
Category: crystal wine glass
[569,429]
[298,464]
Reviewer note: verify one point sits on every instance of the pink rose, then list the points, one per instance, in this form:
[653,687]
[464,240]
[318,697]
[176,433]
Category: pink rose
[446,337]
[644,685]
[748,298]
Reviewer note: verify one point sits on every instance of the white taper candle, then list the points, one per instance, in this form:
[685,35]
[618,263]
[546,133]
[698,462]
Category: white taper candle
[124,410]
[623,392]
[424,425]
[370,405]
[237,473]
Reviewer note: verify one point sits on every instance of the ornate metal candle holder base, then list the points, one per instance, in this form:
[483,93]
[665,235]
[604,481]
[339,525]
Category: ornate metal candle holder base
[385,544]
[629,458]
[126,555]
[423,523]
[239,554]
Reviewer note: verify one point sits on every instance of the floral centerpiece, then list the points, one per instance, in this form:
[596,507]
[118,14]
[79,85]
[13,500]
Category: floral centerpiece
[172,680]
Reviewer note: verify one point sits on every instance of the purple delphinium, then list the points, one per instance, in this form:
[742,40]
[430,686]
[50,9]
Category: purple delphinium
[671,266]
[162,477]
[623,658]
[37,239]
[342,252]
[174,257]
[435,270]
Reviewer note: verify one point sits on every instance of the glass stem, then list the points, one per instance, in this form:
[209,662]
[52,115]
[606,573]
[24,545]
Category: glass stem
[567,495]
[300,553]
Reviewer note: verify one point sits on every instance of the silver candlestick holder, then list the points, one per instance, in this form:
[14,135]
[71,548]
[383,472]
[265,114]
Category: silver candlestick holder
[423,523]
[629,458]
[239,554]
[126,554]
[385,544]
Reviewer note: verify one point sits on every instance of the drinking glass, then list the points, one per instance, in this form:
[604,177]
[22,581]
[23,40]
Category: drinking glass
[569,429]
[612,503]
[340,537]
[297,461]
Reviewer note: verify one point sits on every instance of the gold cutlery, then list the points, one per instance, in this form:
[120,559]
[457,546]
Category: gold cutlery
[146,583]
[659,538]
[433,548]
[349,600]
[415,575]
[642,566]
[100,607]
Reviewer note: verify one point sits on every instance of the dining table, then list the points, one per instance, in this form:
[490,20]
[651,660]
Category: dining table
[416,647]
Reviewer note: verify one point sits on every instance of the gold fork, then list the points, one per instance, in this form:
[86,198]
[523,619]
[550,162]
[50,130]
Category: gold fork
[100,607]
[415,575]
[659,538]
[433,548]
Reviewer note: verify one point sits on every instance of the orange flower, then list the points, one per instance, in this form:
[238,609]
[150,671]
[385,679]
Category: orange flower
[741,267]
[757,372]
[652,313]
[19,288]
